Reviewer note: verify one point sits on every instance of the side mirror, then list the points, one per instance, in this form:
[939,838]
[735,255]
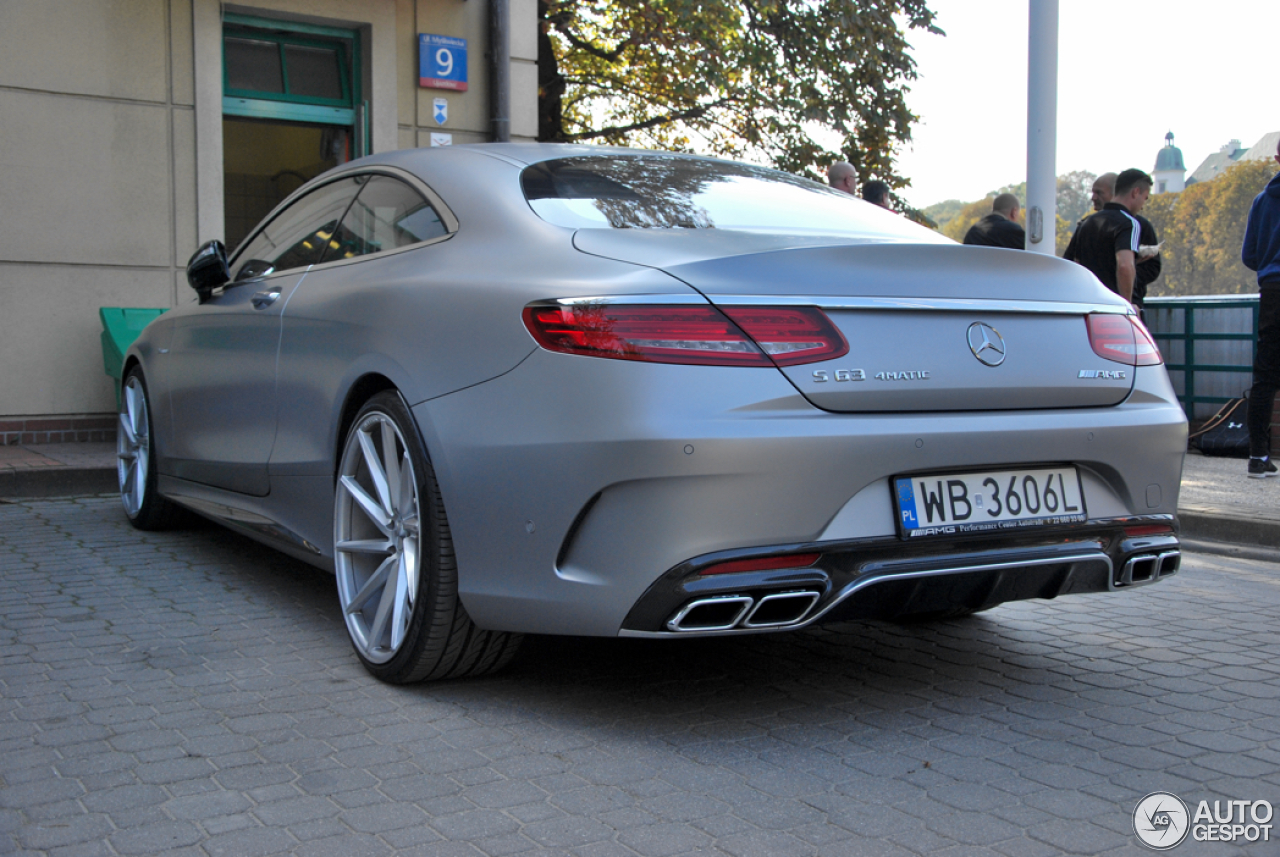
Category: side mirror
[207,269]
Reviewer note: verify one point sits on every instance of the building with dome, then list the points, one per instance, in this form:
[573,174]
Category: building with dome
[1170,171]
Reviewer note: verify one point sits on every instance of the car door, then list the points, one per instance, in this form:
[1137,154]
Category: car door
[223,357]
[341,313]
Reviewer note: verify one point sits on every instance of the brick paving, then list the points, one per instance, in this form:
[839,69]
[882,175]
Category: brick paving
[192,693]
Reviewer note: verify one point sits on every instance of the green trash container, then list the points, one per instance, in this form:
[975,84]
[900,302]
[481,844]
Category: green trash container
[120,327]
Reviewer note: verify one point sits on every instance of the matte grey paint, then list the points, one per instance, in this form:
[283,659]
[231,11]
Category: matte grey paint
[524,440]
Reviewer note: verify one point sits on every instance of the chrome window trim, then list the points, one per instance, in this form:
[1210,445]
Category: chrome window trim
[860,303]
[447,217]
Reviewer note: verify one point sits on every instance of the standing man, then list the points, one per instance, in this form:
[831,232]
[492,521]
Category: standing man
[1261,253]
[1149,265]
[1104,187]
[877,193]
[1108,242]
[842,176]
[999,228]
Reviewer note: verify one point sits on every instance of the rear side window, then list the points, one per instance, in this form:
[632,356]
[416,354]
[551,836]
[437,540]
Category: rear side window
[296,236]
[387,214]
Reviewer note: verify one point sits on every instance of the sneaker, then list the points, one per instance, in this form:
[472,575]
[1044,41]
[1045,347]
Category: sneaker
[1261,468]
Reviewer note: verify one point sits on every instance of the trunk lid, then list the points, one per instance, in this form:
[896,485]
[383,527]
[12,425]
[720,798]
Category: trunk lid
[930,327]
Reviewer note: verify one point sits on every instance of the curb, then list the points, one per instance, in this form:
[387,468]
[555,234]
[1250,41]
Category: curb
[41,482]
[1225,524]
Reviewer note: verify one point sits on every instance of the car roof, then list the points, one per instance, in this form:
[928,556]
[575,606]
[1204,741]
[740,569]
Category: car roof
[518,154]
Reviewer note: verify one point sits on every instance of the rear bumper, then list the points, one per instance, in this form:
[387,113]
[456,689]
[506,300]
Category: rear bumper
[886,579]
[573,484]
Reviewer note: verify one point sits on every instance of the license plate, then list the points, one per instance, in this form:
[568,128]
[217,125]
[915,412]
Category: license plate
[989,501]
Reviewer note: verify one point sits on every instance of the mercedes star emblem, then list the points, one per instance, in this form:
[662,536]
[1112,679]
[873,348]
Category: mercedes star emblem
[986,343]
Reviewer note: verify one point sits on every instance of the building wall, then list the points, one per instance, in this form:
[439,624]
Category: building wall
[97,165]
[111,160]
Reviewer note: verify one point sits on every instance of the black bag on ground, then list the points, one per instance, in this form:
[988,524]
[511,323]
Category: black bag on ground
[1225,433]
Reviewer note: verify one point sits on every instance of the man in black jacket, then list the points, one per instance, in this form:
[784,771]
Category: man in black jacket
[1149,265]
[1113,242]
[999,228]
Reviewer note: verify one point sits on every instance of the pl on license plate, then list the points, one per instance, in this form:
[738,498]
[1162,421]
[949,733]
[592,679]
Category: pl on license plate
[947,504]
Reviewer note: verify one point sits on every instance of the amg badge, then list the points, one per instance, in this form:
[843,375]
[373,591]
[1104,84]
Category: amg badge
[1105,374]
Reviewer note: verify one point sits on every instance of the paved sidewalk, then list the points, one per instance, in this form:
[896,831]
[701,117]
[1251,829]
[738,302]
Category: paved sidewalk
[193,694]
[1219,503]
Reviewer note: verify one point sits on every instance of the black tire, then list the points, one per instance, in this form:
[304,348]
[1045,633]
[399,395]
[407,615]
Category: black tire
[390,529]
[136,459]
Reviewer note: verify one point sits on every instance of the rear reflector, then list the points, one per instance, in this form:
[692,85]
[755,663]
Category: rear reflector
[762,563]
[1148,530]
[1122,338]
[698,335]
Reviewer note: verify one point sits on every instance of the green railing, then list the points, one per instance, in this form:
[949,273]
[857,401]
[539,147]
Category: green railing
[1208,344]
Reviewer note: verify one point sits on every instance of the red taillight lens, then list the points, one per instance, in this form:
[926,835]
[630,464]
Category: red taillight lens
[791,335]
[1122,338]
[762,563]
[699,335]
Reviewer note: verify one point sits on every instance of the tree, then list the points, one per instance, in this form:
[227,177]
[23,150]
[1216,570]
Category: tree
[1074,195]
[941,212]
[1202,229]
[768,80]
[958,225]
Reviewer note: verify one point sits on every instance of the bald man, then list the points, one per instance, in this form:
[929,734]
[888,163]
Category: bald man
[842,176]
[1104,189]
[999,228]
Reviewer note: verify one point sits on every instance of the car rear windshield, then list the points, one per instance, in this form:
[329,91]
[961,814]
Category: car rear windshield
[673,192]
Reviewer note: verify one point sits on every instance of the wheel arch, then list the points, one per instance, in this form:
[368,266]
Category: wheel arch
[361,390]
[130,361]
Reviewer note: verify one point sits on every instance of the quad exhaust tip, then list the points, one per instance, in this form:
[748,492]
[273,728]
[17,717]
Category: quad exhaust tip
[1148,568]
[727,612]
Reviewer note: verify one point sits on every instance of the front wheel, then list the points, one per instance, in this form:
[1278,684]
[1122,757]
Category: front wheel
[393,554]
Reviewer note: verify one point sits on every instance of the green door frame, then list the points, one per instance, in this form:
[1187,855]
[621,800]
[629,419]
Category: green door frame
[349,111]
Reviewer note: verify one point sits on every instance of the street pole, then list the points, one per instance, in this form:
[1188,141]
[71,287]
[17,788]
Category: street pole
[1042,126]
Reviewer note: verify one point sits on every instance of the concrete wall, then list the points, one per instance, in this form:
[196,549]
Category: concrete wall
[97,171]
[111,157]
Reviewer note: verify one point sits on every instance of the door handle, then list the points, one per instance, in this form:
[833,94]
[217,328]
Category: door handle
[262,300]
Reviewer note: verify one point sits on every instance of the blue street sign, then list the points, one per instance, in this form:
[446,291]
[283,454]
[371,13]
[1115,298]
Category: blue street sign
[442,62]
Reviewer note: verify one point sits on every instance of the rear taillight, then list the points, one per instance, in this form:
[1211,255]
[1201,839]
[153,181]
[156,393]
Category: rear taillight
[791,335]
[1122,338]
[700,335]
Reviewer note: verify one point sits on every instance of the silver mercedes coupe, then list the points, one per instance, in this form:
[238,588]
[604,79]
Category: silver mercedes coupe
[533,389]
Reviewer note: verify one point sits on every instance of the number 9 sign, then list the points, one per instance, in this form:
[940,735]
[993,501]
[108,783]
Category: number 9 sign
[442,62]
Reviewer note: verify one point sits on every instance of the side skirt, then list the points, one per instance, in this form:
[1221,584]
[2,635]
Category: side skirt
[245,515]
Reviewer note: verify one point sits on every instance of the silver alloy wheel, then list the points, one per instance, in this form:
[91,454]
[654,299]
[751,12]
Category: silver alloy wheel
[133,446]
[376,537]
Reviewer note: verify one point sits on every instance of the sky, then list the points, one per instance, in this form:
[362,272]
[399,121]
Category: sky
[1128,72]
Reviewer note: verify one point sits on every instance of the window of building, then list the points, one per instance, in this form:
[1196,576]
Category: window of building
[292,109]
[279,68]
